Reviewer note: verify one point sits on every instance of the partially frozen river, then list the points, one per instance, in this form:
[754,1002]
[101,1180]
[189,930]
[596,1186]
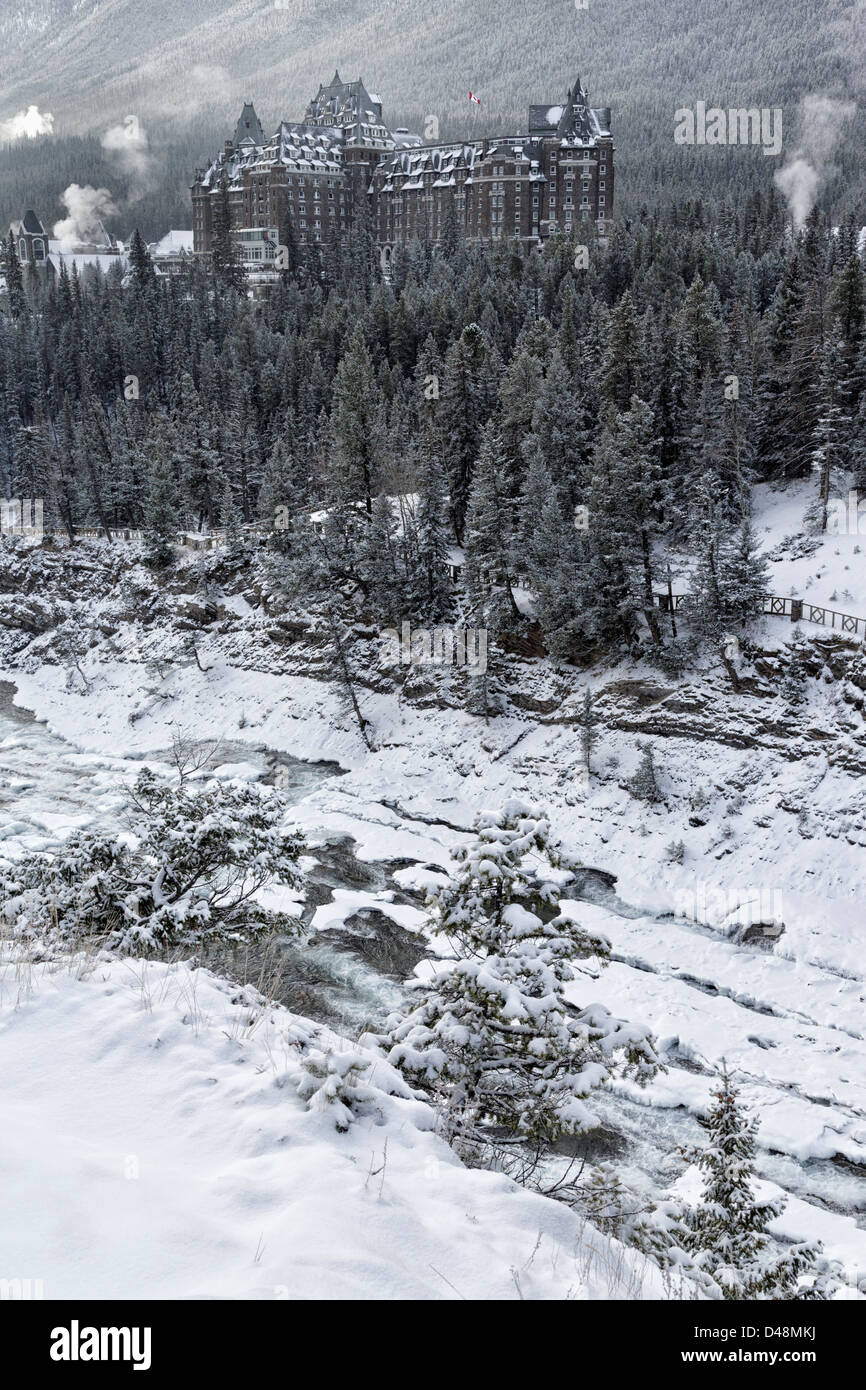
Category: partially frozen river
[48,788]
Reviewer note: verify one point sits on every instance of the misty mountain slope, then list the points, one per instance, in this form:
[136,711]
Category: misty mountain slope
[171,60]
[185,71]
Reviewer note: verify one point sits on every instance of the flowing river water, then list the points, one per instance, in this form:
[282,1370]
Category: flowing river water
[350,980]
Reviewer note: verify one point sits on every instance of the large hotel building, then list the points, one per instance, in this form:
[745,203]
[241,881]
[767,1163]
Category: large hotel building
[316,174]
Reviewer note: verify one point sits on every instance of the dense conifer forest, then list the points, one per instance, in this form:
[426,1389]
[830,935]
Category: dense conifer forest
[564,428]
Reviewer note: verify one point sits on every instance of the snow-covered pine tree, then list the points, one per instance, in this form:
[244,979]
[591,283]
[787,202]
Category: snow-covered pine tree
[788,388]
[734,446]
[620,374]
[644,784]
[380,566]
[489,526]
[587,720]
[225,261]
[519,392]
[848,304]
[705,602]
[727,1230]
[14,280]
[187,872]
[336,1084]
[431,590]
[610,594]
[552,553]
[744,575]
[492,1039]
[143,274]
[353,421]
[642,501]
[559,430]
[161,518]
[197,457]
[230,519]
[828,453]
[461,414]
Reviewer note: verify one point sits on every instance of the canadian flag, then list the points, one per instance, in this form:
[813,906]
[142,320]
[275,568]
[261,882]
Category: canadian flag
[473,97]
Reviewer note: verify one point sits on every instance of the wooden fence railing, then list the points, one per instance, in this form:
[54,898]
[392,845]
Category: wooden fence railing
[797,609]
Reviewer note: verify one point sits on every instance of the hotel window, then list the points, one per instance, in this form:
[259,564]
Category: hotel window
[601,197]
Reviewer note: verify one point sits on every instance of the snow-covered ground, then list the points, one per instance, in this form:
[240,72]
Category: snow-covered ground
[750,950]
[832,568]
[155,1146]
[787,1018]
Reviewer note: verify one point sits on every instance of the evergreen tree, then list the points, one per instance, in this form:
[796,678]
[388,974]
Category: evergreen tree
[728,1228]
[848,306]
[432,585]
[353,421]
[225,261]
[160,509]
[143,274]
[644,784]
[230,520]
[744,576]
[552,553]
[828,455]
[705,602]
[486,576]
[621,369]
[379,564]
[14,280]
[492,1039]
[587,721]
[461,415]
[794,682]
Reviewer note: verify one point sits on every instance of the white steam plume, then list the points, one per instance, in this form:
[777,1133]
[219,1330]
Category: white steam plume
[129,145]
[27,125]
[811,163]
[86,207]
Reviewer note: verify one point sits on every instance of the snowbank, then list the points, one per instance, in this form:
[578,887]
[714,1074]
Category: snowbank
[159,1113]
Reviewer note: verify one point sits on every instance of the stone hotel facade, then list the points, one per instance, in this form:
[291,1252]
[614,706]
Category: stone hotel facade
[557,177]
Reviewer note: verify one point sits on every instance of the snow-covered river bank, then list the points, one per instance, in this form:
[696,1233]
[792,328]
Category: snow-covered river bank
[789,1027]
